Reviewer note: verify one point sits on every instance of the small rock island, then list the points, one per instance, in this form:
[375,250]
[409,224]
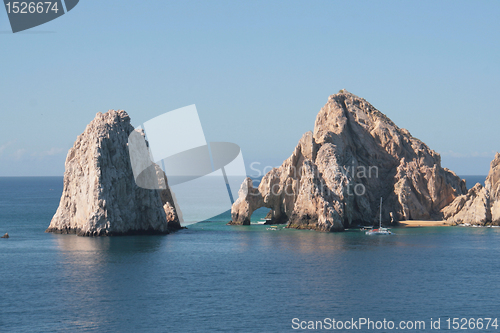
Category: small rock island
[100,195]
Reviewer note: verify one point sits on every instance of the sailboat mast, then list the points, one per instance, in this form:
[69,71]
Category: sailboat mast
[380,218]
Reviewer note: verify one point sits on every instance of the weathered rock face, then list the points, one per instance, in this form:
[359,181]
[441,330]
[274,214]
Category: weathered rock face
[481,205]
[336,175]
[100,195]
[473,207]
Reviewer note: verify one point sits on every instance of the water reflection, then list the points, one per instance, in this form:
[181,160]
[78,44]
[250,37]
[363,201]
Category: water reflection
[75,245]
[101,272]
[320,243]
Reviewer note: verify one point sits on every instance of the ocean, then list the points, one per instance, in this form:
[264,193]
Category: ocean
[218,278]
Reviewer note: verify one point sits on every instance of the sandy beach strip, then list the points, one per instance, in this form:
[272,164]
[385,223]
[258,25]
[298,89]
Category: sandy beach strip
[417,223]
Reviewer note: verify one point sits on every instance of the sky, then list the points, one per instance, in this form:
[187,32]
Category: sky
[257,71]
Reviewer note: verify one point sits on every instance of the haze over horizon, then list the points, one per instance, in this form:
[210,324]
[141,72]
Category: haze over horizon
[258,72]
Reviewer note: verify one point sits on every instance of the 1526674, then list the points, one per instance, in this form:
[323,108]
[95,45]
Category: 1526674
[472,323]
[40,7]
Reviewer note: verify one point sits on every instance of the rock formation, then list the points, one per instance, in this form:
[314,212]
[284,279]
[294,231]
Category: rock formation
[100,195]
[481,205]
[5,236]
[337,174]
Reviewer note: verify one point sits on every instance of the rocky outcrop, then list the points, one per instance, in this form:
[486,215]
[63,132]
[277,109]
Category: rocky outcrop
[473,207]
[481,205]
[337,174]
[493,185]
[100,195]
[5,236]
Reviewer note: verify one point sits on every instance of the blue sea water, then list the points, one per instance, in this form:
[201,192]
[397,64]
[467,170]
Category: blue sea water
[218,278]
[473,180]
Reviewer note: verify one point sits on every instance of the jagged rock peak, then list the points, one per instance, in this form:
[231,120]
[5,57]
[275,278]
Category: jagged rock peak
[100,196]
[493,179]
[345,107]
[343,95]
[356,155]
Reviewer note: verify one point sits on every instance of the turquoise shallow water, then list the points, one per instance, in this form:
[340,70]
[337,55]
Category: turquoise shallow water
[218,278]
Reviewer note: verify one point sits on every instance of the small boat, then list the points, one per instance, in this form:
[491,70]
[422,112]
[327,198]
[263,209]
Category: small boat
[380,230]
[273,227]
[263,221]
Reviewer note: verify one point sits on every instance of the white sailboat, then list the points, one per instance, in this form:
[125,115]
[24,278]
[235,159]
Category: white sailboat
[380,230]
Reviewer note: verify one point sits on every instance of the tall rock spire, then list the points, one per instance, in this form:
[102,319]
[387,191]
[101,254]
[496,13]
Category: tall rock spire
[100,196]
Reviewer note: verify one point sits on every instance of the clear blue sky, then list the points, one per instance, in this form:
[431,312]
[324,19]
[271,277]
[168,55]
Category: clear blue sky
[258,72]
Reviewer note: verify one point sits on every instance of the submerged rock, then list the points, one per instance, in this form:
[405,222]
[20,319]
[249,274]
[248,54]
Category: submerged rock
[481,205]
[100,195]
[5,236]
[337,174]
